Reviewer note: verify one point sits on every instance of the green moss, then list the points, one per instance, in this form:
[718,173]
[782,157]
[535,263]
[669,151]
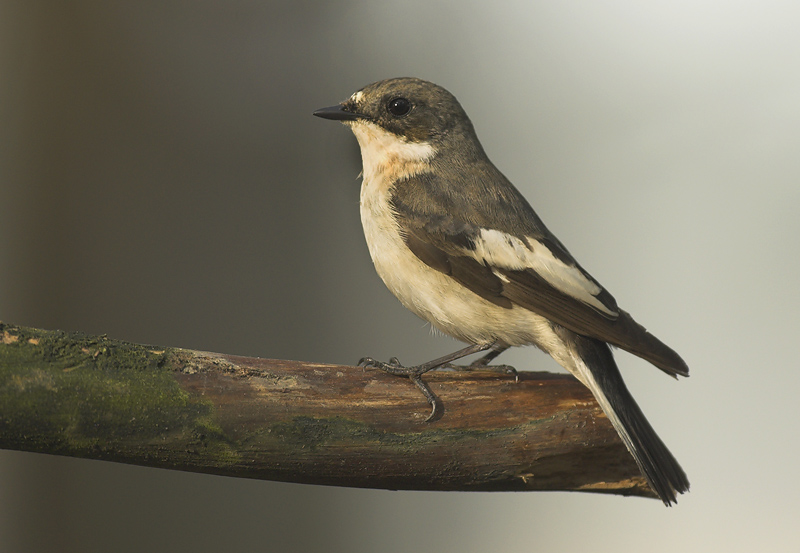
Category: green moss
[312,433]
[72,393]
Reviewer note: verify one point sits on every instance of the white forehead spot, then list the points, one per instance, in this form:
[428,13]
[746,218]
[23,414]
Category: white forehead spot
[357,96]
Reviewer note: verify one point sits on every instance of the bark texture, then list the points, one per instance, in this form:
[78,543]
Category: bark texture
[94,397]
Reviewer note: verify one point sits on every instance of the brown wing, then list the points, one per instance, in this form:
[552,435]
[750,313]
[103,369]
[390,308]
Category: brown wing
[450,247]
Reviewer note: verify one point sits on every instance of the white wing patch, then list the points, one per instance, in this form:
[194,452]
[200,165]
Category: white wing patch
[509,252]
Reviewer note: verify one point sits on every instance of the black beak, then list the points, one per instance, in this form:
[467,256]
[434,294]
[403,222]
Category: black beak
[338,113]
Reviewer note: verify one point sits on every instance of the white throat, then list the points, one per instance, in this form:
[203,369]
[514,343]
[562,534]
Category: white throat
[388,157]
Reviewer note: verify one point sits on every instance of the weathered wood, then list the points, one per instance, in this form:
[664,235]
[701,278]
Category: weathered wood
[90,396]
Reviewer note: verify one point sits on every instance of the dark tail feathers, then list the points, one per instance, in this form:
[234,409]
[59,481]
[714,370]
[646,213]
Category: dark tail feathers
[659,467]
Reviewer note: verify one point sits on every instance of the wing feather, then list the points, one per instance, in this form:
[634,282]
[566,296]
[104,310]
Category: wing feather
[506,276]
[500,250]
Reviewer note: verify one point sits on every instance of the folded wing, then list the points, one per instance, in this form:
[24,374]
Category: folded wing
[535,273]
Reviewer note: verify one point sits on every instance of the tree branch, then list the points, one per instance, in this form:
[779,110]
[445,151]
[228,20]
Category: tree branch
[90,396]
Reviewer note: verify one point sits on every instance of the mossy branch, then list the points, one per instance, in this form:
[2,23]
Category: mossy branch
[94,397]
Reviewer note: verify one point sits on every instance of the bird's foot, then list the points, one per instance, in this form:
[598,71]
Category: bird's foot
[502,369]
[392,367]
[415,375]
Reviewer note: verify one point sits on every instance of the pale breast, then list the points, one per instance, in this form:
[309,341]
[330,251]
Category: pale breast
[430,294]
[434,296]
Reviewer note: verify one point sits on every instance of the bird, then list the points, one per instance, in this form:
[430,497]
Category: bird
[457,243]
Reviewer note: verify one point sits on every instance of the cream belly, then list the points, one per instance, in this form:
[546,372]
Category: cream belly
[437,298]
[431,295]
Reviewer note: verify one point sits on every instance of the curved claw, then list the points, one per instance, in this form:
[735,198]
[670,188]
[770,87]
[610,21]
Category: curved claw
[374,363]
[508,369]
[505,369]
[437,409]
[366,362]
[415,373]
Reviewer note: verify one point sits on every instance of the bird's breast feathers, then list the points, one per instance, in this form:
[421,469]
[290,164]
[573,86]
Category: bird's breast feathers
[479,284]
[431,294]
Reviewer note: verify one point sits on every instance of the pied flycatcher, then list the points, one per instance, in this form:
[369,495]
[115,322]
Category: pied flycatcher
[459,246]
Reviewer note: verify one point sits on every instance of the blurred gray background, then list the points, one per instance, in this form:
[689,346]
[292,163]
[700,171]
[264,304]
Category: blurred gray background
[162,181]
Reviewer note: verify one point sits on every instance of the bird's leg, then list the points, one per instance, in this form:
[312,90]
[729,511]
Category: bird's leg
[482,363]
[415,373]
[484,360]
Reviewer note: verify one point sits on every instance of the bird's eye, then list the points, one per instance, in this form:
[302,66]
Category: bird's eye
[399,106]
